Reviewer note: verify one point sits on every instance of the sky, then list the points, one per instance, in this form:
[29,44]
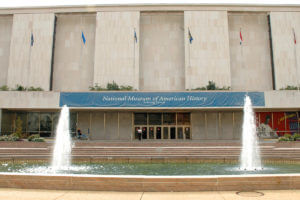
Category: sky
[30,3]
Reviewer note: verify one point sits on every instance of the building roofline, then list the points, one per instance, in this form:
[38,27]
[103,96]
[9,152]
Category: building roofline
[154,5]
[92,8]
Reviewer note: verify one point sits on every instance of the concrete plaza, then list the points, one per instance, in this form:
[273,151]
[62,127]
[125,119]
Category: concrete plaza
[26,194]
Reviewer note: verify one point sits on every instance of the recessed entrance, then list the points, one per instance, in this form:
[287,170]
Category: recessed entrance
[156,126]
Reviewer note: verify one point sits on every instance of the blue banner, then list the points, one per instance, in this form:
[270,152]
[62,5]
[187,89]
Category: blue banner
[159,99]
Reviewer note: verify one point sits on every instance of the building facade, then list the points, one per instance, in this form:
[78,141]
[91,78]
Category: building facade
[166,54]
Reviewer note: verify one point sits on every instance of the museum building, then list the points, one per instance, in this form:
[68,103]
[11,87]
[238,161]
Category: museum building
[162,57]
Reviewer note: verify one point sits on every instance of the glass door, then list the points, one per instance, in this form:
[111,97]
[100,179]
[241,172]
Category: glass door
[144,133]
[151,132]
[187,133]
[180,133]
[157,126]
[166,133]
[158,133]
[173,132]
[136,134]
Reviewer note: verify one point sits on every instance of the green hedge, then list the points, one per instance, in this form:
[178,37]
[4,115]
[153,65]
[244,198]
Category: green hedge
[11,137]
[288,137]
[111,87]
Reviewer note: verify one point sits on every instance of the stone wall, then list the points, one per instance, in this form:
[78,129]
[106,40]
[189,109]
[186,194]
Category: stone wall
[286,52]
[73,60]
[0,121]
[84,122]
[5,35]
[97,126]
[250,62]
[30,65]
[225,125]
[152,183]
[106,125]
[29,100]
[207,57]
[162,51]
[116,51]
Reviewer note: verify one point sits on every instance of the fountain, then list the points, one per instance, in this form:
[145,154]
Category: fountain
[181,177]
[250,156]
[62,149]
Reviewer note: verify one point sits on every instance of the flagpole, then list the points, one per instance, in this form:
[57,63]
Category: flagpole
[81,46]
[296,66]
[295,55]
[189,71]
[242,55]
[29,59]
[189,68]
[134,79]
[241,44]
[29,62]
[80,61]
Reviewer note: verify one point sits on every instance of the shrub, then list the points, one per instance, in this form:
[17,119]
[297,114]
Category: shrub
[200,88]
[19,133]
[212,86]
[35,89]
[31,88]
[290,87]
[38,140]
[34,136]
[112,86]
[224,88]
[126,87]
[11,137]
[296,136]
[96,88]
[20,88]
[283,139]
[287,136]
[4,138]
[4,88]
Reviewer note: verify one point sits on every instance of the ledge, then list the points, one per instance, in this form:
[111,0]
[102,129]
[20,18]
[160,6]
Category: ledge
[29,100]
[151,183]
[283,99]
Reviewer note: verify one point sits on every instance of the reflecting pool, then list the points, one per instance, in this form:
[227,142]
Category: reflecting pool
[170,169]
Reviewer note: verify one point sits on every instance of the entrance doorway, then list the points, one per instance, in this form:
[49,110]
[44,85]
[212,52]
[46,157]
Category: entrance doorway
[162,126]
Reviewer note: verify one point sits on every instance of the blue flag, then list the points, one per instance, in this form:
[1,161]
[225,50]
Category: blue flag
[135,37]
[190,37]
[31,40]
[83,38]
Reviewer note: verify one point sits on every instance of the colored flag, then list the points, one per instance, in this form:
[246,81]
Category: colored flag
[135,37]
[31,40]
[190,37]
[83,38]
[295,41]
[241,37]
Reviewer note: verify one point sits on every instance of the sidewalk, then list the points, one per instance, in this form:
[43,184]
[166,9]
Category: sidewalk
[22,194]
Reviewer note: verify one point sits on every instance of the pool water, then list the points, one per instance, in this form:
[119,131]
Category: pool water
[169,169]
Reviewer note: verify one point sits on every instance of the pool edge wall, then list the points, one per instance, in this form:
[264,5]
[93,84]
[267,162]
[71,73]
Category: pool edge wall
[151,183]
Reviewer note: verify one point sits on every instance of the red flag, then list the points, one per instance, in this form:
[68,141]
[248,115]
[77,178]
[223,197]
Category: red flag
[295,41]
[241,37]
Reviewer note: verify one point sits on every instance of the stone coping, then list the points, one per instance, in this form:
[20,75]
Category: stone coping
[151,183]
[92,160]
[151,176]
